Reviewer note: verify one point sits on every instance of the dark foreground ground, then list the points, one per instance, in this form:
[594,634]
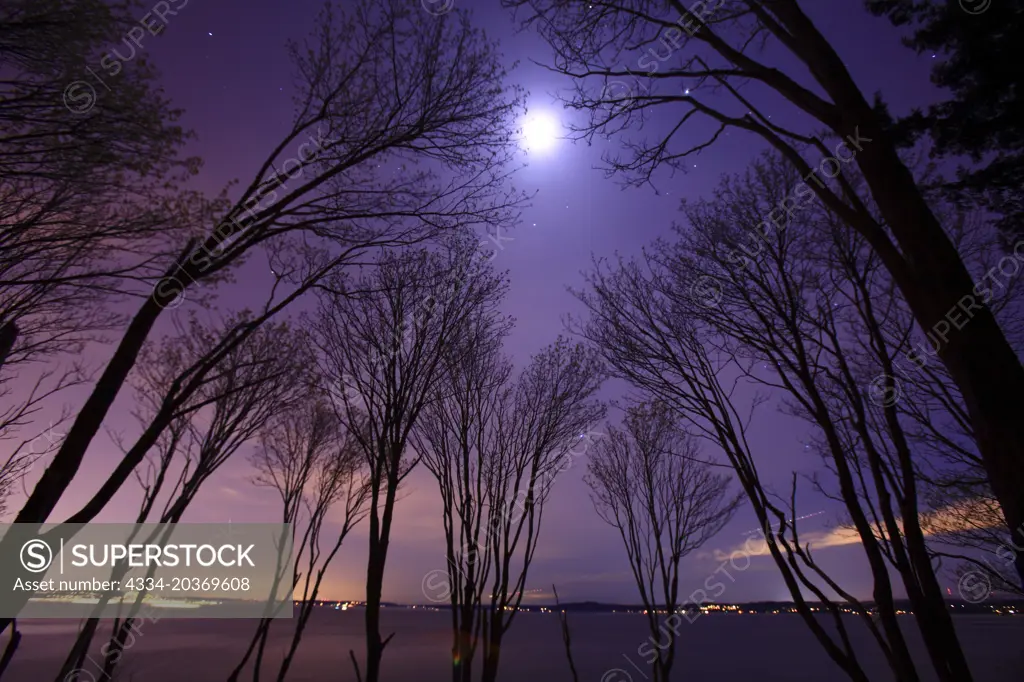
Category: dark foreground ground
[761,648]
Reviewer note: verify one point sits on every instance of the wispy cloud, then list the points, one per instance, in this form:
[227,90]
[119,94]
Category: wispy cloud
[965,515]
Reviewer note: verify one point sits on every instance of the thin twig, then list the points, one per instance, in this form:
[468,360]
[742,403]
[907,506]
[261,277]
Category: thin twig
[355,664]
[563,618]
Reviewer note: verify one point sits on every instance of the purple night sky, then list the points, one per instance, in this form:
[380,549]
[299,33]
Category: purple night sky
[225,64]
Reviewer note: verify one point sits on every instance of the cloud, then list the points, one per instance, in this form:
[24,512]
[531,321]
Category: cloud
[960,516]
[756,546]
[963,515]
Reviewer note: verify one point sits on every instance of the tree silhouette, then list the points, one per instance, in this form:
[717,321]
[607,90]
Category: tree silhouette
[383,338]
[383,83]
[627,57]
[649,483]
[495,444]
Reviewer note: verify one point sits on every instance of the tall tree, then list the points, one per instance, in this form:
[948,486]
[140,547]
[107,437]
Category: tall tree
[808,313]
[306,456]
[697,60]
[495,446]
[90,198]
[243,392]
[815,306]
[383,340]
[545,429]
[457,438]
[666,356]
[649,483]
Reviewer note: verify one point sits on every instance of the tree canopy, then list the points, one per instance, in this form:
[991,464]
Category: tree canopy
[980,61]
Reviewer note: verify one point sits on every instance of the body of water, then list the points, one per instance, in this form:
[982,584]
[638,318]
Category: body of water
[607,648]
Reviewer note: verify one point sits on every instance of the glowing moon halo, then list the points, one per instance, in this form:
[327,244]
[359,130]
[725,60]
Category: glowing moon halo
[540,132]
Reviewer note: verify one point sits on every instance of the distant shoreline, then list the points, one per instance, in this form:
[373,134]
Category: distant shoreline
[1008,607]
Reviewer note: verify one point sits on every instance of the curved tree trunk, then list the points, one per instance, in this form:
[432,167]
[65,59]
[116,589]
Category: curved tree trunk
[941,294]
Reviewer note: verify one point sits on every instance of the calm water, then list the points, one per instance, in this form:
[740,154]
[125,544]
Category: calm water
[764,648]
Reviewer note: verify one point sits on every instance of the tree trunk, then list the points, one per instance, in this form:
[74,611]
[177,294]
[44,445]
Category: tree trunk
[374,588]
[236,673]
[660,670]
[666,657]
[64,466]
[300,626]
[462,661]
[261,648]
[77,653]
[8,335]
[980,360]
[932,277]
[58,475]
[933,615]
[492,652]
[466,656]
[457,673]
[116,648]
[56,478]
[490,666]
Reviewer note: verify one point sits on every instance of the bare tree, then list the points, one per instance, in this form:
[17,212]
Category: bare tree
[649,483]
[495,447]
[90,201]
[634,322]
[385,84]
[315,466]
[457,438]
[383,340]
[813,308]
[90,195]
[628,57]
[245,390]
[548,426]
[822,316]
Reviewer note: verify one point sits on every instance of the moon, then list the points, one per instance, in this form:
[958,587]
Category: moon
[541,132]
